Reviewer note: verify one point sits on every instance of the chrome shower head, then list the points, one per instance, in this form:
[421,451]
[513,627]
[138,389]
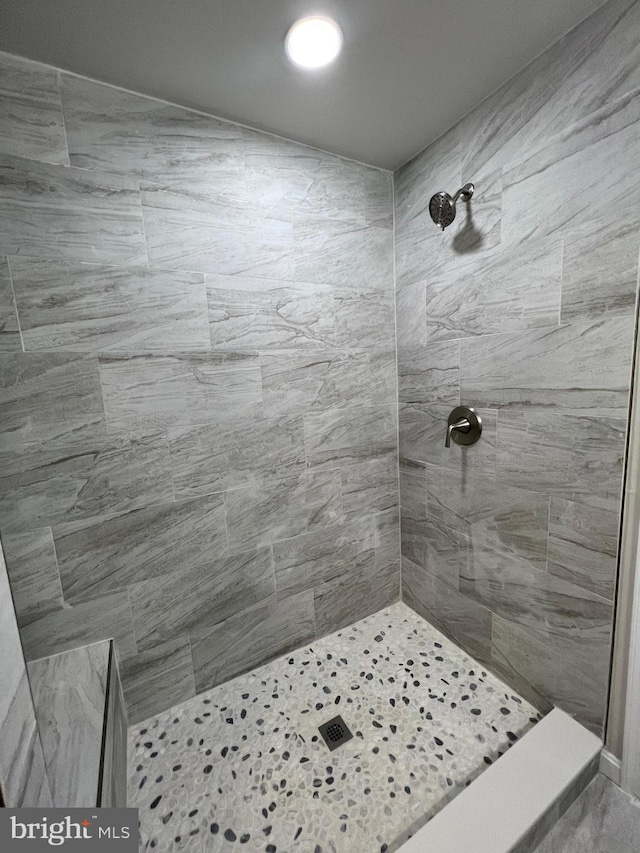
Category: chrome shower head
[442,206]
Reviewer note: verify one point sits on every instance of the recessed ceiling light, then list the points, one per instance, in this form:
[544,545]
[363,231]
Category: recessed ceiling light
[313,42]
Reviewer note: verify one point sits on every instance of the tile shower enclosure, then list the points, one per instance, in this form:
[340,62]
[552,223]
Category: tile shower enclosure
[199,402]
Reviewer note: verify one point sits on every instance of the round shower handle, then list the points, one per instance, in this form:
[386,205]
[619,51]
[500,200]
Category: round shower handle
[464,426]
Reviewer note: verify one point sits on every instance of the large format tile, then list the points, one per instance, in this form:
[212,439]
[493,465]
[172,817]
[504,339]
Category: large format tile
[565,181]
[430,374]
[354,595]
[303,382]
[583,544]
[517,591]
[378,198]
[600,269]
[349,435]
[120,131]
[251,638]
[232,453]
[511,291]
[33,572]
[489,513]
[370,486]
[139,545]
[45,486]
[69,214]
[411,315]
[193,229]
[10,340]
[287,179]
[324,555]
[575,458]
[602,818]
[46,397]
[157,679]
[98,619]
[423,431]
[569,670]
[203,595]
[345,254]
[594,63]
[365,319]
[88,308]
[282,507]
[432,546]
[262,313]
[582,368]
[146,392]
[69,693]
[31,119]
[412,487]
[465,621]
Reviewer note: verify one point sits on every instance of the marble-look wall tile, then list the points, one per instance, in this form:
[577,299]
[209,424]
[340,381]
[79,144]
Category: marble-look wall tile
[10,340]
[23,778]
[564,182]
[506,291]
[282,507]
[583,544]
[337,437]
[370,486]
[194,229]
[601,251]
[33,572]
[571,668]
[430,375]
[88,308]
[214,457]
[145,392]
[423,432]
[46,486]
[378,198]
[251,638]
[413,488]
[345,254]
[315,558]
[432,546]
[355,594]
[46,397]
[109,554]
[591,65]
[69,694]
[467,623]
[31,118]
[288,179]
[411,316]
[262,313]
[365,319]
[517,591]
[514,521]
[303,382]
[69,214]
[579,368]
[178,602]
[575,458]
[88,622]
[116,131]
[157,679]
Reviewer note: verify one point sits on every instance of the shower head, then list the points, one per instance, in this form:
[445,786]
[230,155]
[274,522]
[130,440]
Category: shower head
[442,207]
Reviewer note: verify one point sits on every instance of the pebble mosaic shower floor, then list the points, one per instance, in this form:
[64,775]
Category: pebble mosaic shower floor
[243,766]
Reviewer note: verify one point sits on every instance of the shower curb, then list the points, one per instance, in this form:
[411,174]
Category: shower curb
[516,801]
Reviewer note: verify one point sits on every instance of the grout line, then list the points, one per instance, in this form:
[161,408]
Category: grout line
[15,304]
[397,406]
[64,124]
[562,253]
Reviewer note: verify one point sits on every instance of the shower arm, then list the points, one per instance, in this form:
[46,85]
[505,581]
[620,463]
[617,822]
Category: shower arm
[465,193]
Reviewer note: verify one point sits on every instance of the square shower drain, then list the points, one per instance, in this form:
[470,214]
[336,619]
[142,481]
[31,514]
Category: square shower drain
[335,732]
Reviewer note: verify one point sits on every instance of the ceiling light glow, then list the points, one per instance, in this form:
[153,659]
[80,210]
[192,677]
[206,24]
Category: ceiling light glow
[313,42]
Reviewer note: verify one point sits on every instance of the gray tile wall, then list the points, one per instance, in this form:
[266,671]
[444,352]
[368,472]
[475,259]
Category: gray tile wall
[198,396]
[524,308]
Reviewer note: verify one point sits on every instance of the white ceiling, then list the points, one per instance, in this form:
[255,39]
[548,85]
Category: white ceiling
[408,71]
